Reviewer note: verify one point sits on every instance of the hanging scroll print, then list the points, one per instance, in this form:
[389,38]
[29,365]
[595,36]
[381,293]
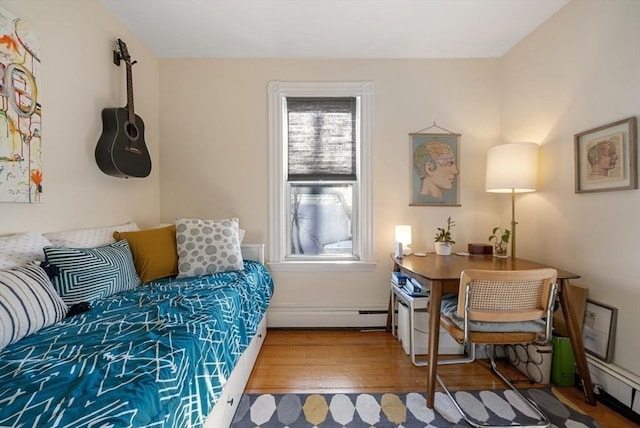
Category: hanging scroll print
[435,170]
[20,111]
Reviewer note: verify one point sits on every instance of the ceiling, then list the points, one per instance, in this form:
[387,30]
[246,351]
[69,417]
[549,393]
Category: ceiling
[332,28]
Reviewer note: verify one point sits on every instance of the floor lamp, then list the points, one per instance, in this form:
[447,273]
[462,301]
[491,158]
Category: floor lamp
[512,168]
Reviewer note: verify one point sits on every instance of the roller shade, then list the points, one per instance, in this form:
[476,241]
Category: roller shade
[321,138]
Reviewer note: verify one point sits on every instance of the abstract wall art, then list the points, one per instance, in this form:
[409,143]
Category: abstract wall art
[20,111]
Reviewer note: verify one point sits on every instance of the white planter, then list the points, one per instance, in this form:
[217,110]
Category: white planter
[443,249]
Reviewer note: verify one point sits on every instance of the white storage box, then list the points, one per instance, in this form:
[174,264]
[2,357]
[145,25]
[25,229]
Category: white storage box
[532,360]
[446,346]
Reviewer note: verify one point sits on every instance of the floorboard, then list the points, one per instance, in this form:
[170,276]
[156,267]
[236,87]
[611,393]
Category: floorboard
[342,361]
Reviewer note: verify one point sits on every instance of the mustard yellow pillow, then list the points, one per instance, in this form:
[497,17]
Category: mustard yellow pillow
[154,252]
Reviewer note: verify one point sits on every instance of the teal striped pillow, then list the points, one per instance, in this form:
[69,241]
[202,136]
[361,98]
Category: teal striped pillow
[28,303]
[88,274]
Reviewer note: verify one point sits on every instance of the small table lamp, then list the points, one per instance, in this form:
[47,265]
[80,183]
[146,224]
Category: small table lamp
[403,235]
[512,168]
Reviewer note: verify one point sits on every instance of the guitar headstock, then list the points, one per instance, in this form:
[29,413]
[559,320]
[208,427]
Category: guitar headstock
[121,53]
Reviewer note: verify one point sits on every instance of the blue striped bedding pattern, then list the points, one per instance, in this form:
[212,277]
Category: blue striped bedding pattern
[155,356]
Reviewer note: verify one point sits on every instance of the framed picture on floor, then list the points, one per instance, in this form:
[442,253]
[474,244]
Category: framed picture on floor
[599,329]
[605,157]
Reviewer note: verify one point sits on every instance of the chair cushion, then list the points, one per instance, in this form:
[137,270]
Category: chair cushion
[449,308]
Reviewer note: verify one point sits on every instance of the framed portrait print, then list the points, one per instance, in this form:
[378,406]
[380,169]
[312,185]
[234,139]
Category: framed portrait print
[606,157]
[435,169]
[599,329]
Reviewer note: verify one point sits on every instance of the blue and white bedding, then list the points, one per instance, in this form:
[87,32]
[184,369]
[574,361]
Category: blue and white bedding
[155,356]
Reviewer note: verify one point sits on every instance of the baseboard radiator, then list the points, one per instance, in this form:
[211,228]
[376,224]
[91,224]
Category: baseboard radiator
[616,388]
[311,316]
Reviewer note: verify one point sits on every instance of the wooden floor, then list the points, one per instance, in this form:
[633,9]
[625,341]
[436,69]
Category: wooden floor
[332,361]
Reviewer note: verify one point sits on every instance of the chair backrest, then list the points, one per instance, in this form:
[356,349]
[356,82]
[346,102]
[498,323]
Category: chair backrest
[506,296]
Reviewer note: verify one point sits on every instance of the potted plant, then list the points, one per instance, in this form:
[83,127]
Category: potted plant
[443,239]
[500,237]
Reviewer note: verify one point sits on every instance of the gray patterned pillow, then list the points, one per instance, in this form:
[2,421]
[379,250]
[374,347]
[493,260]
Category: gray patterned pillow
[207,246]
[88,274]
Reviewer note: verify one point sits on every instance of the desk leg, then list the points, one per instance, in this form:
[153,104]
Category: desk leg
[391,305]
[435,296]
[576,341]
[394,321]
[390,314]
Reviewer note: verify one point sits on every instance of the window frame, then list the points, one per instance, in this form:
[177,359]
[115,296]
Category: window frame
[279,196]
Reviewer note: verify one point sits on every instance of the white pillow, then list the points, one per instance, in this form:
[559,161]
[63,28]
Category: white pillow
[241,232]
[208,246]
[89,238]
[28,303]
[21,248]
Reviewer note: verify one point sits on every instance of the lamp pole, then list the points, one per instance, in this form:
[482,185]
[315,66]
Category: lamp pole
[513,223]
[512,168]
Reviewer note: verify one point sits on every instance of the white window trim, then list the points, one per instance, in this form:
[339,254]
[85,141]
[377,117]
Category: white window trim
[277,184]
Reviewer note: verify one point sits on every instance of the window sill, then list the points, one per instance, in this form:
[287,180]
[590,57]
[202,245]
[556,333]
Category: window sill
[322,266]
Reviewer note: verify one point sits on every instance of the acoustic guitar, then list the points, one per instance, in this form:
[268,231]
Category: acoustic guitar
[121,150]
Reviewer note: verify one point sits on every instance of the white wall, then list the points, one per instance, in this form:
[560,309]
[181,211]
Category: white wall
[78,79]
[578,71]
[214,158]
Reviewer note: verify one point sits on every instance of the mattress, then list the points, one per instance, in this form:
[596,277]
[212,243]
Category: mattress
[155,356]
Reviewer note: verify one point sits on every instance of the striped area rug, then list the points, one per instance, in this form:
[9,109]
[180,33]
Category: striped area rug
[364,410]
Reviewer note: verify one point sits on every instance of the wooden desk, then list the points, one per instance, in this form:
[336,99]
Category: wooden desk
[442,275]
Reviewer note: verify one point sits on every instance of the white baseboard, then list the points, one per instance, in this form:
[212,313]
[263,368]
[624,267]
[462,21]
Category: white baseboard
[617,382]
[295,316]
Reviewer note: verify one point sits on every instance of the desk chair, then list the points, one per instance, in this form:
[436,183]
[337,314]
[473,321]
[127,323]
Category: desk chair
[497,308]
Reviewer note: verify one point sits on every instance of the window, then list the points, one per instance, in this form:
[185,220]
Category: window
[320,174]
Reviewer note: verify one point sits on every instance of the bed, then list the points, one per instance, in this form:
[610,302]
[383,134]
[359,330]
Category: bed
[171,352]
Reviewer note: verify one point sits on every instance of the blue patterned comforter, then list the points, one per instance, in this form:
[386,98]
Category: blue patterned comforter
[156,356]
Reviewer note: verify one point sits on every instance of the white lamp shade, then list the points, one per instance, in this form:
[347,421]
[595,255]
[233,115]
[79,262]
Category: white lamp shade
[512,167]
[403,234]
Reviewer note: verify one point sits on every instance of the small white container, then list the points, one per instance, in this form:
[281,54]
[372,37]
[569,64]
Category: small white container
[447,345]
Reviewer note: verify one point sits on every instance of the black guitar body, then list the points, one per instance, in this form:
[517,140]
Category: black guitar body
[121,150]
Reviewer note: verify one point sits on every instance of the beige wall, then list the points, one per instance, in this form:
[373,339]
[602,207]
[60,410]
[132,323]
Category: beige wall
[78,79]
[214,155]
[578,71]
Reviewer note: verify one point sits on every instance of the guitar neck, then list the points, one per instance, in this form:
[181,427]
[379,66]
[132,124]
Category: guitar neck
[130,106]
